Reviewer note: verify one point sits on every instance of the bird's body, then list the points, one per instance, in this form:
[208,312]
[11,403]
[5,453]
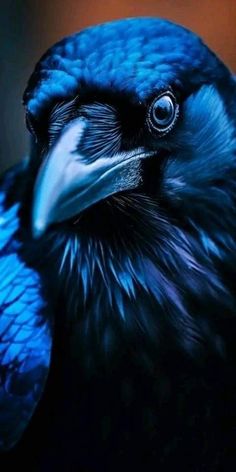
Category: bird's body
[130,187]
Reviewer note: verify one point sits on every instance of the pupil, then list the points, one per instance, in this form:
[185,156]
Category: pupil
[163,110]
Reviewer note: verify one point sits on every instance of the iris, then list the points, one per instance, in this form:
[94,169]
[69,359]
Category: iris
[163,113]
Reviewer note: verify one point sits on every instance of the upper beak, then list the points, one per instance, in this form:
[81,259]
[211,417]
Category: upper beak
[66,184]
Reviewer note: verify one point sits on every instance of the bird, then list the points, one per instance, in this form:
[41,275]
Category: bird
[118,257]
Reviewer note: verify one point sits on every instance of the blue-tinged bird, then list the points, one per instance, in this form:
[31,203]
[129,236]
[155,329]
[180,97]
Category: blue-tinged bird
[118,258]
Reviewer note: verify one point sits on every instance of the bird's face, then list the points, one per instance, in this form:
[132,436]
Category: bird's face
[98,150]
[168,150]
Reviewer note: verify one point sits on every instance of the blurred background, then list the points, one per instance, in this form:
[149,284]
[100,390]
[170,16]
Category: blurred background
[29,27]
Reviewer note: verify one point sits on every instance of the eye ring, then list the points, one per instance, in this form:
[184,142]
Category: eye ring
[163,113]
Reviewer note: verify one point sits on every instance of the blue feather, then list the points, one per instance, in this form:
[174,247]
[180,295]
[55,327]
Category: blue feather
[25,334]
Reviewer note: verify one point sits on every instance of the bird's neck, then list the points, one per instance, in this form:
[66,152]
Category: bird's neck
[145,299]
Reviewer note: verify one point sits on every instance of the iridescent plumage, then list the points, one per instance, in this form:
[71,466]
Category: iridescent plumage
[123,238]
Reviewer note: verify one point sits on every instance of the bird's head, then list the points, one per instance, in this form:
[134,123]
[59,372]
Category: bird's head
[133,143]
[138,106]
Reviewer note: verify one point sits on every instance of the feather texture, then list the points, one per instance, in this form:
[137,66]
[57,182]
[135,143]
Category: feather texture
[25,332]
[141,284]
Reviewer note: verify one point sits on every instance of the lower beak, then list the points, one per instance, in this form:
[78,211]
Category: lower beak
[66,184]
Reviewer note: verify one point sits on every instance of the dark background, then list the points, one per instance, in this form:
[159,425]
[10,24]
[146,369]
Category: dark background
[29,27]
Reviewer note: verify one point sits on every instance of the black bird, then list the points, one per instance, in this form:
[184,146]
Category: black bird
[118,253]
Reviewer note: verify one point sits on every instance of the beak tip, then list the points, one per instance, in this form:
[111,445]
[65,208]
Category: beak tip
[38,228]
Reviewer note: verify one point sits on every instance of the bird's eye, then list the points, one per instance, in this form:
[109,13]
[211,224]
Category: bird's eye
[163,113]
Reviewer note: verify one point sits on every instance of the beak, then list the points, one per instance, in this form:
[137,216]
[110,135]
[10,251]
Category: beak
[66,184]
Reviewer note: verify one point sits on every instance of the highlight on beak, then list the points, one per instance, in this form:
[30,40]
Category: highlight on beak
[66,184]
